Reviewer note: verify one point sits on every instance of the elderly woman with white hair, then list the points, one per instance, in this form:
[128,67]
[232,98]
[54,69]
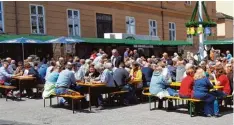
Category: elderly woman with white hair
[106,74]
[158,85]
[106,77]
[201,88]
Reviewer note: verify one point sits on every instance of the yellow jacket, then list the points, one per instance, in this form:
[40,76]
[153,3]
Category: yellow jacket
[138,76]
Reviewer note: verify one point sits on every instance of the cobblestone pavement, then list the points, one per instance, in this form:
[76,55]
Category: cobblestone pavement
[32,112]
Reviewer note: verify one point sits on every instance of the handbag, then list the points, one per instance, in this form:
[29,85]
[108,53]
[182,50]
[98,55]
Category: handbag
[2,82]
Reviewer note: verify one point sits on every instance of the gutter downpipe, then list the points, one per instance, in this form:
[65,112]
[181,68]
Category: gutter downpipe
[16,19]
[162,20]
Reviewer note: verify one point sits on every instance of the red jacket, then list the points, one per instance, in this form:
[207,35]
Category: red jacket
[186,87]
[225,83]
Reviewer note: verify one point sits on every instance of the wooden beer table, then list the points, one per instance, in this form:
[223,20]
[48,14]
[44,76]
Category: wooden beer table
[23,78]
[178,84]
[90,85]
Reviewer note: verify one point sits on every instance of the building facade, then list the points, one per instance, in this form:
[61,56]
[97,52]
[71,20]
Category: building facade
[164,19]
[225,26]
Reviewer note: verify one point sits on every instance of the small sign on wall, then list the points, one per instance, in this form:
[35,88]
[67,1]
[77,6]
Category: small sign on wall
[69,48]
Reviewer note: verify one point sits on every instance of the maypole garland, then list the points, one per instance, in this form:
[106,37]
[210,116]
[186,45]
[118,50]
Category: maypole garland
[193,28]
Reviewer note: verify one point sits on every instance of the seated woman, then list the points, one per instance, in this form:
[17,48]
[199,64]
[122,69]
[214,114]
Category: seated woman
[51,80]
[186,87]
[136,75]
[229,72]
[201,88]
[91,74]
[158,85]
[222,80]
[30,71]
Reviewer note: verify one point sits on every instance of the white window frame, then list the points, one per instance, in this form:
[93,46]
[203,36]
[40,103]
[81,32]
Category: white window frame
[129,25]
[151,28]
[172,30]
[44,18]
[2,13]
[73,23]
[189,3]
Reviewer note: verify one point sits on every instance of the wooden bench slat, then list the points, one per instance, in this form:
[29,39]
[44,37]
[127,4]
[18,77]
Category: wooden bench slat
[7,87]
[119,92]
[174,97]
[70,96]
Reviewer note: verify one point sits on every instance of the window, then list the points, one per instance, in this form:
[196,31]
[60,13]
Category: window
[188,3]
[172,31]
[130,25]
[73,19]
[1,18]
[104,24]
[37,18]
[152,27]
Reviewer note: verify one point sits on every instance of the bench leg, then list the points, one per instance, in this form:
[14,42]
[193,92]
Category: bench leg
[192,108]
[50,101]
[79,102]
[73,106]
[150,103]
[57,100]
[44,103]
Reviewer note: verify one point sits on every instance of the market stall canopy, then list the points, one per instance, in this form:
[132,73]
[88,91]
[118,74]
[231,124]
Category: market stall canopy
[135,42]
[65,40]
[21,40]
[24,38]
[218,42]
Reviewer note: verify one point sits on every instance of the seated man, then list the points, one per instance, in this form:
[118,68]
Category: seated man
[121,78]
[65,80]
[147,72]
[42,72]
[5,76]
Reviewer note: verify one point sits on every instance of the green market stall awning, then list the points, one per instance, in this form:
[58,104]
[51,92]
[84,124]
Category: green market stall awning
[218,42]
[135,42]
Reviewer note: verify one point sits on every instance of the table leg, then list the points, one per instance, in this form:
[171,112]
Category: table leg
[6,93]
[89,98]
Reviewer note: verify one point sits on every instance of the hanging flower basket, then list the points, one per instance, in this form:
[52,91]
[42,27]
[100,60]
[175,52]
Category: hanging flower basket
[200,30]
[204,24]
[208,31]
[192,31]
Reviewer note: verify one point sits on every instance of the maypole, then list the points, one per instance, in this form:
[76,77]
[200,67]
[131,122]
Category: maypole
[201,35]
[200,27]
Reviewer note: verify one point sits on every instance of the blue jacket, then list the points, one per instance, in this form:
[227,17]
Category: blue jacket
[172,71]
[66,79]
[42,71]
[147,74]
[201,88]
[4,74]
[158,83]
